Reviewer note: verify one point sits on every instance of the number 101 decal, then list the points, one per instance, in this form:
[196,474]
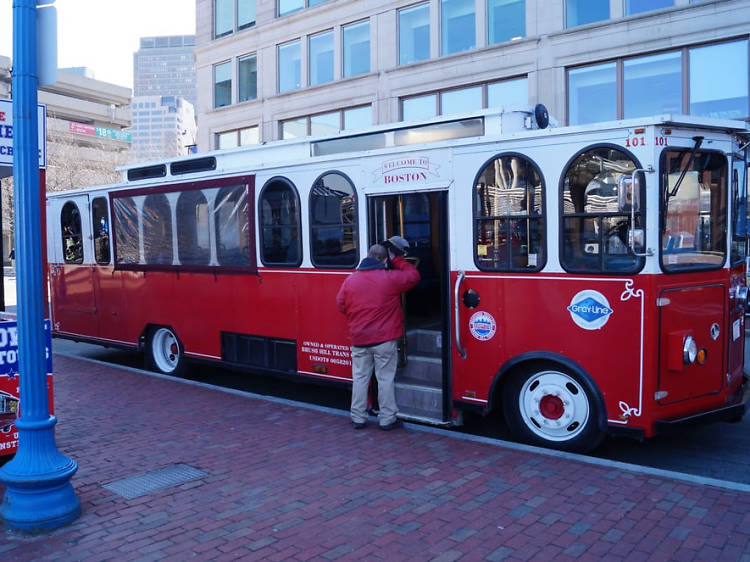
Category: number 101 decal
[634,142]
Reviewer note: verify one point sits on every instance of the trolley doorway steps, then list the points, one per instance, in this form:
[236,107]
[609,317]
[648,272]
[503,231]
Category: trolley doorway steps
[419,384]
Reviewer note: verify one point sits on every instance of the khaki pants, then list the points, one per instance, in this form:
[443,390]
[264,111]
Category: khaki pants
[383,358]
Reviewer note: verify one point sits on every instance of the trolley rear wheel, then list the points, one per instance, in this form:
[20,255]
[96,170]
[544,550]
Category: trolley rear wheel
[553,408]
[164,351]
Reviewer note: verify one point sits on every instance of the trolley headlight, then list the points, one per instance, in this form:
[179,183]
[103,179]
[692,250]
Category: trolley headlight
[689,350]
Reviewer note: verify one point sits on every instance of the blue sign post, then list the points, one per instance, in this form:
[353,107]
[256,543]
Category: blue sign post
[38,496]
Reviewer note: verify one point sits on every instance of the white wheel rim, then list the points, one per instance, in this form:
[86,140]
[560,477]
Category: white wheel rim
[554,406]
[165,350]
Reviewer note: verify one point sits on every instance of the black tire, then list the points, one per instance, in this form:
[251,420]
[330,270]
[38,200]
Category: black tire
[164,351]
[551,407]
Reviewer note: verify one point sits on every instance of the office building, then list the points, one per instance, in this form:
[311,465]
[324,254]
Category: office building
[163,127]
[273,69]
[164,66]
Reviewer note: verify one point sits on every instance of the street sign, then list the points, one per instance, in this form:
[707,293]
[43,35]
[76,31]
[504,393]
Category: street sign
[6,133]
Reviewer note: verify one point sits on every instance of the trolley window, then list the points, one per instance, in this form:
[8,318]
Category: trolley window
[157,230]
[597,200]
[509,215]
[739,210]
[192,228]
[232,227]
[100,224]
[72,241]
[280,242]
[694,209]
[333,222]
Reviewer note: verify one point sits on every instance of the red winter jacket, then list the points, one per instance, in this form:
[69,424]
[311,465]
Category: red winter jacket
[371,300]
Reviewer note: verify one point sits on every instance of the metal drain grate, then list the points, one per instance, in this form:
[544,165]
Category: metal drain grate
[143,484]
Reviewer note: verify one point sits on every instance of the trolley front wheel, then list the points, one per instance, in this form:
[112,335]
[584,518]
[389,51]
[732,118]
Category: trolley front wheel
[553,408]
[164,352]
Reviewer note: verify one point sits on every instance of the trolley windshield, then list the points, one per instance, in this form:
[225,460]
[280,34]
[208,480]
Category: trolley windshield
[694,212]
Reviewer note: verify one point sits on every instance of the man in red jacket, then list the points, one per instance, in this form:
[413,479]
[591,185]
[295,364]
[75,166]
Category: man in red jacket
[371,300]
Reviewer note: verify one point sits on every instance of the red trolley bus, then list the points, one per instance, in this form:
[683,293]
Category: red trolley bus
[582,280]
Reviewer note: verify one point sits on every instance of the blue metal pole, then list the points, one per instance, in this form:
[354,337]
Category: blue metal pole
[39,496]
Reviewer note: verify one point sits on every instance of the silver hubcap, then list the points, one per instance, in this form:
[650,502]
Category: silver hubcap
[554,406]
[165,350]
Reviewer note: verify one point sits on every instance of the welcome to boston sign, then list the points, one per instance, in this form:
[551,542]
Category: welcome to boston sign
[6,133]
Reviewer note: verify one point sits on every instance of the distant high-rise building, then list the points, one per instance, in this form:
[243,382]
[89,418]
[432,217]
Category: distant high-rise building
[164,97]
[165,66]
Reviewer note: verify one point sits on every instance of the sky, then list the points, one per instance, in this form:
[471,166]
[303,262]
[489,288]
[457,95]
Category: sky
[104,34]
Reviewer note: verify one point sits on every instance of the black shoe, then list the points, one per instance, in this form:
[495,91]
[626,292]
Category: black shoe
[393,425]
[358,425]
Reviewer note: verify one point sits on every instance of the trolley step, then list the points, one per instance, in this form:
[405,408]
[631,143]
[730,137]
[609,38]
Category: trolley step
[419,401]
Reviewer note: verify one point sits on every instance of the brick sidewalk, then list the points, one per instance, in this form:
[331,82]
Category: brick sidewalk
[284,482]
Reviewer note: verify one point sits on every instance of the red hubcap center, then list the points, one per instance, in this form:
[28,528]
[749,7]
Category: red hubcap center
[551,407]
[173,348]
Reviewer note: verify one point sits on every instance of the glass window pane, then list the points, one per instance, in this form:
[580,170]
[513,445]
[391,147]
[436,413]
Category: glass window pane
[192,228]
[314,2]
[289,67]
[718,80]
[245,13]
[289,6]
[249,135]
[325,124]
[72,237]
[414,34]
[125,221]
[222,84]
[226,140]
[231,220]
[294,128]
[357,118]
[653,85]
[100,223]
[508,92]
[457,29]
[248,78]
[321,58]
[333,222]
[507,20]
[157,230]
[457,101]
[357,49]
[592,94]
[418,108]
[223,17]
[638,6]
[280,225]
[580,12]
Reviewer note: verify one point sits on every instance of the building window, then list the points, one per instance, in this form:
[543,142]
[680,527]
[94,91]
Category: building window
[247,75]
[652,85]
[238,137]
[357,118]
[280,226]
[290,6]
[356,48]
[333,222]
[457,28]
[509,215]
[327,123]
[419,108]
[581,12]
[321,58]
[506,20]
[227,12]
[289,67]
[222,84]
[414,34]
[503,93]
[592,94]
[508,92]
[656,84]
[726,98]
[638,6]
[464,99]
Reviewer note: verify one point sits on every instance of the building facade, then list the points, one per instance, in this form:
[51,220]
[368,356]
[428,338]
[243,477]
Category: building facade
[165,66]
[163,127]
[273,69]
